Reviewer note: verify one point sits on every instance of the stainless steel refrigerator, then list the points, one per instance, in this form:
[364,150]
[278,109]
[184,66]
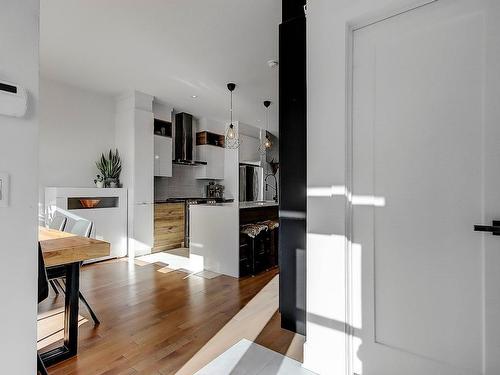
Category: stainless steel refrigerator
[251,183]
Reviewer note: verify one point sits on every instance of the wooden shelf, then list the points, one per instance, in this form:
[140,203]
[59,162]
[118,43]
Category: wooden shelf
[162,128]
[75,203]
[208,138]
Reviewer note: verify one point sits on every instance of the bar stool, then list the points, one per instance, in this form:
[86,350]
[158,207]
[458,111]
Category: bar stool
[271,242]
[253,231]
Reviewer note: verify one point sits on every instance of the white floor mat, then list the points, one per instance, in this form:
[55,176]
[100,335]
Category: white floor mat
[248,358]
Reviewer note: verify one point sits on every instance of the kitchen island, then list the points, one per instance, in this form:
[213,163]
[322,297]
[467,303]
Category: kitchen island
[258,204]
[215,236]
[215,233]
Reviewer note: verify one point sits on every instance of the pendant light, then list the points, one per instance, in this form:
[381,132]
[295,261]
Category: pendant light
[266,142]
[232,140]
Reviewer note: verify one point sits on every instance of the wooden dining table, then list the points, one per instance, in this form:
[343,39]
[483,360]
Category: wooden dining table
[63,254]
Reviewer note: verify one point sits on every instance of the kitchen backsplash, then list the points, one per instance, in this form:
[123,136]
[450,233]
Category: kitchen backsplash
[182,184]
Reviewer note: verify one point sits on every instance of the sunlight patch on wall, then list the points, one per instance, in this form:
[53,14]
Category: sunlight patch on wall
[339,190]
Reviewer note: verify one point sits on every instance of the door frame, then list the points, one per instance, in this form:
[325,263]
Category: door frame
[352,26]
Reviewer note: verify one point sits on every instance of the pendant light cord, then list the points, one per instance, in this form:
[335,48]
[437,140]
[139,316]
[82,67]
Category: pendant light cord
[267,119]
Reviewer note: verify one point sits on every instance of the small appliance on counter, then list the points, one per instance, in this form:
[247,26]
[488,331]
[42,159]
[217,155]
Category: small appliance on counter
[215,190]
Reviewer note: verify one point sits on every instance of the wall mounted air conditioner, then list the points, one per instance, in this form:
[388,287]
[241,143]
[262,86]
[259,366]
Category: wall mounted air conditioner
[13,99]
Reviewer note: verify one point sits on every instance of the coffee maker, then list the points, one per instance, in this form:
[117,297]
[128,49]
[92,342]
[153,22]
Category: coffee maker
[215,190]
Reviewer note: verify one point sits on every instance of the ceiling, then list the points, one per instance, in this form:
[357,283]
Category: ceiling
[172,49]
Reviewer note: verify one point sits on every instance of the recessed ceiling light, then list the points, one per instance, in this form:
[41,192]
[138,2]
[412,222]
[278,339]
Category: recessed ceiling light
[194,96]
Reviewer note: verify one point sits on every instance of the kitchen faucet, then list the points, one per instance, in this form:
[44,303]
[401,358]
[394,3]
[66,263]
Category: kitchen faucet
[275,187]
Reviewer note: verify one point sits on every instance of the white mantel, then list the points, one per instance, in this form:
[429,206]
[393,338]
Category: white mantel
[109,224]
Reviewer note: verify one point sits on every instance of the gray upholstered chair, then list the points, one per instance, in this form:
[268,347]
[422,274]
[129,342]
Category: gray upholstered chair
[82,228]
[58,221]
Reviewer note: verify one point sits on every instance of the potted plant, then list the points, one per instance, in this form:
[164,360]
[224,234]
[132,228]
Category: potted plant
[110,168]
[99,181]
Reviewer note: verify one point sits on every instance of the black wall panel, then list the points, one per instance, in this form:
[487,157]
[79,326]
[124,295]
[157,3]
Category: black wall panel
[293,176]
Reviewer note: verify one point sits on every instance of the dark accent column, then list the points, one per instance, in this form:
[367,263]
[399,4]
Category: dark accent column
[293,176]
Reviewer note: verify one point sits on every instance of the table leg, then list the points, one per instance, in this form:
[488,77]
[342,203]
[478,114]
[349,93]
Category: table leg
[71,307]
[70,346]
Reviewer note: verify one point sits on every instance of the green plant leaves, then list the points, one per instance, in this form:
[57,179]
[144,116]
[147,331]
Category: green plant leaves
[110,166]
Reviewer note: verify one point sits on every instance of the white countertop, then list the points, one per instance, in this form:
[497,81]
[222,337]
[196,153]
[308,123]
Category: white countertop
[226,204]
[258,204]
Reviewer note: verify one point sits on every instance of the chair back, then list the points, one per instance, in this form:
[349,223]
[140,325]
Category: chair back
[43,282]
[81,228]
[58,221]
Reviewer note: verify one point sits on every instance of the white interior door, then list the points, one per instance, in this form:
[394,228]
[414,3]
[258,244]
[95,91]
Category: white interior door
[426,168]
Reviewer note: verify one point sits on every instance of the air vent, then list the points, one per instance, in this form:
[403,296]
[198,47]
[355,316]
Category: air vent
[8,88]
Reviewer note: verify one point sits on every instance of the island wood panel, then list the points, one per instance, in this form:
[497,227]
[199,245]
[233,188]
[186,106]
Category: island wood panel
[169,226]
[60,248]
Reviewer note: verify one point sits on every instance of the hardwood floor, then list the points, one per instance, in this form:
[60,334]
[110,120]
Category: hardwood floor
[167,323]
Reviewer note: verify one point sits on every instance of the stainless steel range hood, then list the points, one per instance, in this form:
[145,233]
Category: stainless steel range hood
[183,140]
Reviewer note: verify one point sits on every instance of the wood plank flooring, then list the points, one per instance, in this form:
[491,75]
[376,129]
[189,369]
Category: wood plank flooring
[167,323]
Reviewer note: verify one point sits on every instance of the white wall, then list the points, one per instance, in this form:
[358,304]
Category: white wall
[325,349]
[76,126]
[211,125]
[183,183]
[18,222]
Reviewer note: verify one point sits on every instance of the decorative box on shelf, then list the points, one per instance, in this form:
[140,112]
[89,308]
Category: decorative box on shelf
[209,138]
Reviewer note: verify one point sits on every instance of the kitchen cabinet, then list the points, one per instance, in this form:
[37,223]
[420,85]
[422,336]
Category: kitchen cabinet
[134,126]
[143,228]
[163,156]
[168,226]
[214,156]
[143,164]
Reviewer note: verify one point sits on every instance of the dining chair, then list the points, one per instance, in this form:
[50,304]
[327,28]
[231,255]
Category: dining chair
[82,228]
[58,221]
[43,293]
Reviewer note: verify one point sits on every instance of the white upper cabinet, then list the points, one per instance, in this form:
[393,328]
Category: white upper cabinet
[214,156]
[143,166]
[162,156]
